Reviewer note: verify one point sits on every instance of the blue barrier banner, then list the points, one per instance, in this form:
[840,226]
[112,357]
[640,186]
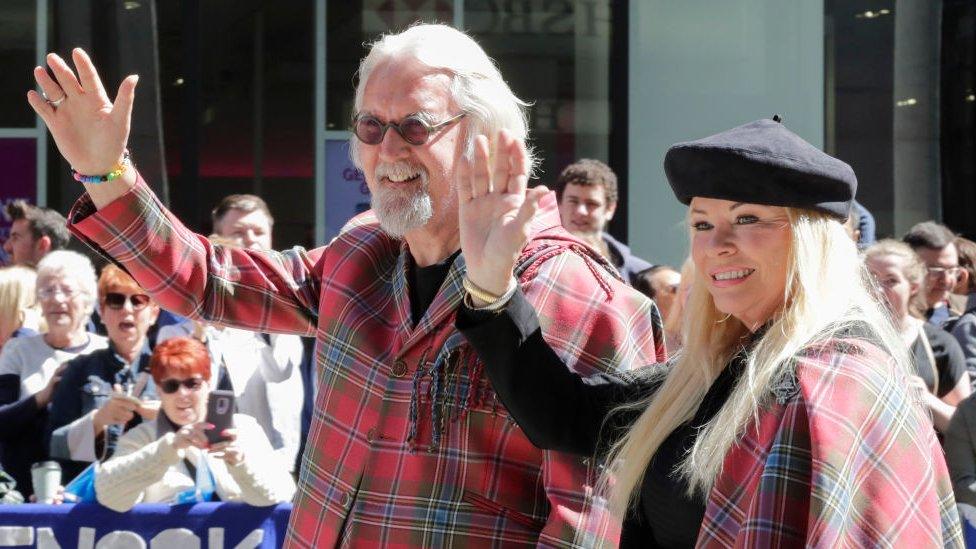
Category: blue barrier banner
[190,526]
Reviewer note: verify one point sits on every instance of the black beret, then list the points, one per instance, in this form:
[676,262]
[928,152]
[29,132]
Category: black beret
[761,162]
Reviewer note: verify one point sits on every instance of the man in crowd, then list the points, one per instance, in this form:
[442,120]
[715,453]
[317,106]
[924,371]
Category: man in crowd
[964,327]
[660,283]
[409,445]
[933,242]
[263,370]
[285,395]
[864,225]
[34,232]
[244,218]
[587,193]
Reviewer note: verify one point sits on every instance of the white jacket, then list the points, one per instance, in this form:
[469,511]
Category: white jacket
[146,468]
[267,379]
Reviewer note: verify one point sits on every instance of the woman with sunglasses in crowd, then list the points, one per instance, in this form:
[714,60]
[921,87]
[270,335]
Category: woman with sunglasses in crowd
[31,367]
[104,392]
[786,420]
[169,460]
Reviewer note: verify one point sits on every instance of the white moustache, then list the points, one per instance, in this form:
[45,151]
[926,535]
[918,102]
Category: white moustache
[400,171]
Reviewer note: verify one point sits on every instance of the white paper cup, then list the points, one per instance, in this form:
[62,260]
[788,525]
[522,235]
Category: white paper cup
[46,476]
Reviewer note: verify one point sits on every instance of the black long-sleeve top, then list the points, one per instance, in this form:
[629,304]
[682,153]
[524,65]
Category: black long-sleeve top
[560,410]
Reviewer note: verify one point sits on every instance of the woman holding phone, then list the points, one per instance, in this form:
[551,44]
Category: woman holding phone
[171,460]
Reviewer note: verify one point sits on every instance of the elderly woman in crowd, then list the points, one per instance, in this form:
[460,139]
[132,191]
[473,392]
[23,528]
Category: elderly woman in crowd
[19,313]
[787,420]
[30,367]
[940,367]
[108,390]
[169,459]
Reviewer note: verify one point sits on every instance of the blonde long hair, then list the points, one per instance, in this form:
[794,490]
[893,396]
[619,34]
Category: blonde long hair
[827,290]
[18,302]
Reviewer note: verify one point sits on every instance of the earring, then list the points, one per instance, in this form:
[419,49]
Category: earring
[728,316]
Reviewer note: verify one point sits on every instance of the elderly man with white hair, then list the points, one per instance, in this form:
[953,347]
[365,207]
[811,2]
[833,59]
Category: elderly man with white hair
[409,445]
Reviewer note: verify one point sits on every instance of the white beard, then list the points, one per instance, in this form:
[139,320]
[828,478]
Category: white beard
[401,210]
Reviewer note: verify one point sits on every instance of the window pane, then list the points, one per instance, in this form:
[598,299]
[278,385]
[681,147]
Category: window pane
[350,26]
[554,54]
[557,56]
[18,158]
[18,32]
[238,103]
[883,107]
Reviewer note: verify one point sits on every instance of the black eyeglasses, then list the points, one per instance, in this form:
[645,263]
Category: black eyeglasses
[170,386]
[413,129]
[116,301]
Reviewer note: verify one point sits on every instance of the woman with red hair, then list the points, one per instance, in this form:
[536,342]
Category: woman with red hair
[170,460]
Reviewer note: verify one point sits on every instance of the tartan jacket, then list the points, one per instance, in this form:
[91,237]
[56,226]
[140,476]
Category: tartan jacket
[408,444]
[842,458]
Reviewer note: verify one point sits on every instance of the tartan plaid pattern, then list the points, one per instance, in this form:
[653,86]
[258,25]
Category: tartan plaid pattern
[848,460]
[409,445]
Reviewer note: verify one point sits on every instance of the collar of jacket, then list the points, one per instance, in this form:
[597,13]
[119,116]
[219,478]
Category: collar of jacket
[547,239]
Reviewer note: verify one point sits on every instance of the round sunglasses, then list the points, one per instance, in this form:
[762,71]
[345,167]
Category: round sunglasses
[413,129]
[116,301]
[170,386]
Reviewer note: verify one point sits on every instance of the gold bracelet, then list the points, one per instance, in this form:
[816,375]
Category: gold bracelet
[479,292]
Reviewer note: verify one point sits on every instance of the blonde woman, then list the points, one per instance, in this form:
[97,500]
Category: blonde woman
[940,366]
[787,420]
[19,313]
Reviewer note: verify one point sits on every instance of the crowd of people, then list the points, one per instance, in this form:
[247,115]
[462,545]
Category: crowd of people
[477,343]
[77,376]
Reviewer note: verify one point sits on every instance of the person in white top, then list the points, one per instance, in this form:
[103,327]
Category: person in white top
[170,460]
[264,369]
[263,373]
[30,367]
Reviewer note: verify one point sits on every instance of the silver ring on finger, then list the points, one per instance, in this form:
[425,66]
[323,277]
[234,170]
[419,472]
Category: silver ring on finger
[55,102]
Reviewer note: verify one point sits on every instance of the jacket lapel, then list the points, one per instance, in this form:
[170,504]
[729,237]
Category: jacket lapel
[451,293]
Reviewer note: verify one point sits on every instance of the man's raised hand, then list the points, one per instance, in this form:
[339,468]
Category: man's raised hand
[90,131]
[495,209]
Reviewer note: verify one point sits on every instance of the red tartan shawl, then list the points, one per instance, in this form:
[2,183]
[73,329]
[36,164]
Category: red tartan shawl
[844,458]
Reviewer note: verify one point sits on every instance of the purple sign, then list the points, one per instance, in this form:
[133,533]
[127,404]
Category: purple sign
[345,187]
[18,156]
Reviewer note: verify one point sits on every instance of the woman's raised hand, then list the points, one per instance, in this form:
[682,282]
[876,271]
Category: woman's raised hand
[495,210]
[90,131]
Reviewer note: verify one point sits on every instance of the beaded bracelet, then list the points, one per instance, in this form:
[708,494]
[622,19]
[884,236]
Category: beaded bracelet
[114,174]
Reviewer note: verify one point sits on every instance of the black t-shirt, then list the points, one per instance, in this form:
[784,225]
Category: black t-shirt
[424,282]
[949,359]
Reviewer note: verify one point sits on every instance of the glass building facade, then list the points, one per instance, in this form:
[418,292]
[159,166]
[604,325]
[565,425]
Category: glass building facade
[256,96]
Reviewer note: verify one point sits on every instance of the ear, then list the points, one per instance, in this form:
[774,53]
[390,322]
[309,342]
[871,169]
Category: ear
[42,246]
[914,288]
[611,209]
[962,281]
[154,314]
